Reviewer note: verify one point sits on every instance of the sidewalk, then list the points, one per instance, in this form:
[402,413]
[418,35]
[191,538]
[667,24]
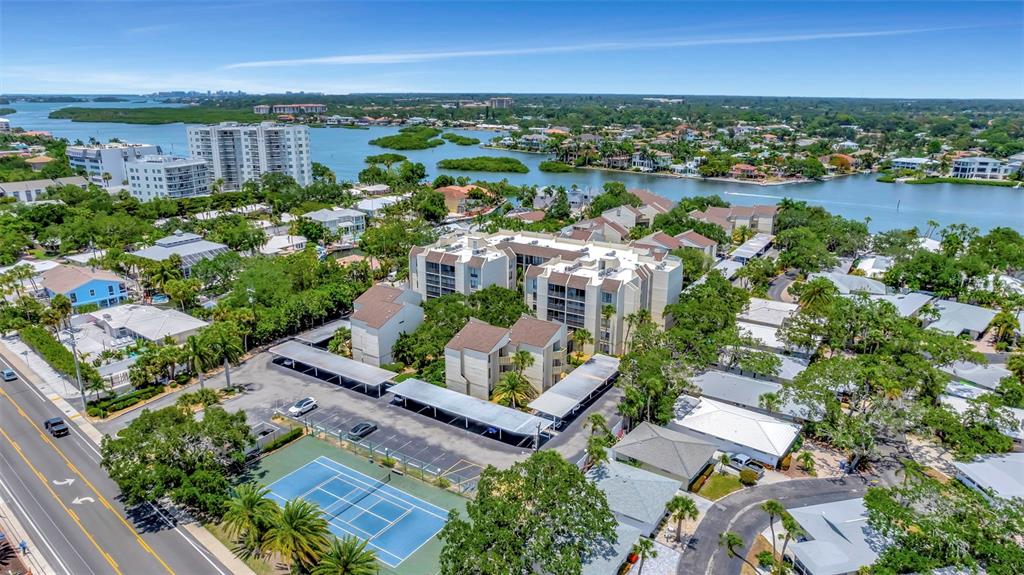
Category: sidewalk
[45,384]
[14,533]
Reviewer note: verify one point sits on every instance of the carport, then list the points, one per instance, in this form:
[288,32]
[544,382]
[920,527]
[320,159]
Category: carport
[471,409]
[332,367]
[582,385]
[318,335]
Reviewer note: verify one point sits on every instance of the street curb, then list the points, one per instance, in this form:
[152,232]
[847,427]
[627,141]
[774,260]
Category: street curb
[218,549]
[15,533]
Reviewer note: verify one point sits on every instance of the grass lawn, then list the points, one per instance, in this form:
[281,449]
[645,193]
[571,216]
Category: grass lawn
[719,485]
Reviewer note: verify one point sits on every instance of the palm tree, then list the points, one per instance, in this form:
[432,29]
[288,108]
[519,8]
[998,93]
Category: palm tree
[1006,324]
[62,306]
[817,294]
[598,425]
[742,234]
[347,556]
[159,273]
[682,507]
[225,346]
[607,311]
[597,450]
[645,549]
[770,402]
[774,509]
[521,360]
[806,461]
[106,178]
[513,390]
[198,356]
[580,339]
[731,542]
[299,534]
[250,513]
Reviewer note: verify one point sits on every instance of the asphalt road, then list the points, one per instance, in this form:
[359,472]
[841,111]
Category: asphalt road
[740,513]
[69,506]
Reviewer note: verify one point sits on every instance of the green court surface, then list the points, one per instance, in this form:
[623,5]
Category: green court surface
[284,461]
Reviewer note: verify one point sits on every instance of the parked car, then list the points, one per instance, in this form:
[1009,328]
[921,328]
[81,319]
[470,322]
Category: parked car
[302,406]
[741,461]
[56,427]
[8,374]
[361,430]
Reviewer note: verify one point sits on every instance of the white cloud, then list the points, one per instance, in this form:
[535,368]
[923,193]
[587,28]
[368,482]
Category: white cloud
[416,57]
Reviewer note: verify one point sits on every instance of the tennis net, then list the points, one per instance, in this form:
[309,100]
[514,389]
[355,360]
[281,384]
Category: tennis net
[367,491]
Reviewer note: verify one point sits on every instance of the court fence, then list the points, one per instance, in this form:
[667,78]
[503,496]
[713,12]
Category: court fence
[384,456]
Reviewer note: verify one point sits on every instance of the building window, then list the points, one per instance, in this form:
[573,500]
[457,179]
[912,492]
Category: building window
[92,293]
[606,297]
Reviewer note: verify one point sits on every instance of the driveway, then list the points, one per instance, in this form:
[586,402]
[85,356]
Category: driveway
[739,512]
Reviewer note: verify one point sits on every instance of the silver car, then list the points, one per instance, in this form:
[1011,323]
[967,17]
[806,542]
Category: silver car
[302,406]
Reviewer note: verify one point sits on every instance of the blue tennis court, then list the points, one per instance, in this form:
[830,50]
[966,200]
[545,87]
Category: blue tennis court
[394,523]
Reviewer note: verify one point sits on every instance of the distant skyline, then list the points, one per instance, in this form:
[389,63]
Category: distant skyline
[830,49]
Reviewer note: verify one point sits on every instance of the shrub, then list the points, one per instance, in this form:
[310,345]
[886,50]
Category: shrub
[396,367]
[117,403]
[443,483]
[93,411]
[748,477]
[556,167]
[485,164]
[282,440]
[58,356]
[388,462]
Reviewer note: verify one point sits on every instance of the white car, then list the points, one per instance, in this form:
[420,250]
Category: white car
[302,406]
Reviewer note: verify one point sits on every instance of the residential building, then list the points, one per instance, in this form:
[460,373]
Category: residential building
[667,452]
[566,280]
[457,198]
[847,284]
[381,314]
[688,239]
[636,497]
[348,223]
[979,168]
[31,190]
[84,286]
[298,109]
[37,163]
[874,266]
[371,189]
[189,247]
[759,218]
[502,103]
[167,177]
[837,539]
[283,244]
[960,318]
[994,475]
[762,437]
[747,392]
[480,353]
[374,207]
[907,304]
[261,109]
[5,125]
[110,158]
[985,376]
[913,164]
[144,322]
[745,171]
[236,153]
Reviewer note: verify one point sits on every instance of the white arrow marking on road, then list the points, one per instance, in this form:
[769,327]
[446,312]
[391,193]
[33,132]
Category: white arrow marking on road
[81,500]
[67,481]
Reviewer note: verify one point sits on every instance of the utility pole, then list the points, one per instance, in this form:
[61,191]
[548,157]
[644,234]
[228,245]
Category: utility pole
[78,372]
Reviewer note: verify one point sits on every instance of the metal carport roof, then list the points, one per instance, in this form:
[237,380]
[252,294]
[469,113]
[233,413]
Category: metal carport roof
[577,387]
[469,407]
[343,367]
[322,333]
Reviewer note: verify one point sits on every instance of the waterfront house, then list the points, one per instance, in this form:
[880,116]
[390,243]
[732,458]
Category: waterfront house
[458,199]
[912,164]
[745,171]
[191,248]
[979,168]
[344,222]
[84,286]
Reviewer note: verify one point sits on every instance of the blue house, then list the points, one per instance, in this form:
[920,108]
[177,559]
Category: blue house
[85,286]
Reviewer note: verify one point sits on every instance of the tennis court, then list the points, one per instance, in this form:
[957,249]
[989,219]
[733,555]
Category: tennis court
[394,523]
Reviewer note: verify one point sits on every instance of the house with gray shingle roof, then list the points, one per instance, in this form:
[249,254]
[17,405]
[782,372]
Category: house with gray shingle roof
[664,451]
[636,497]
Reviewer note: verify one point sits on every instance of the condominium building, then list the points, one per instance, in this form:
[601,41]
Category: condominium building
[33,190]
[582,284]
[261,109]
[110,158]
[978,168]
[760,218]
[167,177]
[382,314]
[500,103]
[237,153]
[299,108]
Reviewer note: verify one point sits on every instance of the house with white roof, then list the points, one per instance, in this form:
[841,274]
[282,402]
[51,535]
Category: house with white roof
[146,322]
[340,221]
[283,244]
[874,266]
[837,538]
[763,437]
[847,284]
[960,318]
[907,304]
[746,392]
[981,375]
[994,475]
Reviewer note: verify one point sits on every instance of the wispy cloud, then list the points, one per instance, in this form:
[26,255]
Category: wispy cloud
[417,57]
[145,30]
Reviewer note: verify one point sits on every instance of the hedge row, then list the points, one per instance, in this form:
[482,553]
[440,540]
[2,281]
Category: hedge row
[58,356]
[109,405]
[282,440]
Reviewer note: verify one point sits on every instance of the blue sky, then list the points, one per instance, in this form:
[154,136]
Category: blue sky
[855,49]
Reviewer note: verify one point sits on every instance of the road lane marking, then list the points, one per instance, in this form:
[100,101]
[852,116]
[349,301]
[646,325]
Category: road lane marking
[70,513]
[81,500]
[88,442]
[84,479]
[39,532]
[67,481]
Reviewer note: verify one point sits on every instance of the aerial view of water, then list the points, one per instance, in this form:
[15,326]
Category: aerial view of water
[860,197]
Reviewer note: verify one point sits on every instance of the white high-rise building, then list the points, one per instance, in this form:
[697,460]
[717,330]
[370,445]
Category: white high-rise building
[237,153]
[167,177]
[110,158]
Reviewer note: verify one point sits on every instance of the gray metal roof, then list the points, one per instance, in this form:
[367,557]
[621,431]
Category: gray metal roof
[906,304]
[840,539]
[987,376]
[332,363]
[634,495]
[190,247]
[581,382]
[789,366]
[741,390]
[478,410]
[847,283]
[673,451]
[753,246]
[956,317]
[324,332]
[999,474]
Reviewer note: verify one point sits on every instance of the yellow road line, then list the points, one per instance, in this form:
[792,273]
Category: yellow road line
[138,538]
[71,514]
